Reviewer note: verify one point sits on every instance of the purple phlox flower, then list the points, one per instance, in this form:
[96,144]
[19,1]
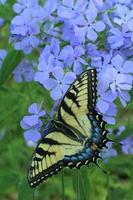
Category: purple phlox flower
[88,26]
[131,5]
[108,153]
[27,44]
[117,38]
[124,97]
[92,50]
[101,61]
[49,7]
[68,34]
[51,19]
[72,57]
[52,51]
[125,52]
[124,15]
[127,145]
[21,5]
[24,71]
[98,3]
[118,77]
[110,115]
[25,24]
[105,103]
[44,70]
[1,22]
[3,54]
[24,28]
[105,98]
[3,1]
[51,29]
[130,28]
[14,38]
[122,2]
[68,9]
[32,123]
[60,83]
[118,131]
[126,2]
[107,20]
[107,5]
[32,136]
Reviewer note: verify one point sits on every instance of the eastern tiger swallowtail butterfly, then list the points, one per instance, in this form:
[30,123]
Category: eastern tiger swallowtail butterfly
[76,137]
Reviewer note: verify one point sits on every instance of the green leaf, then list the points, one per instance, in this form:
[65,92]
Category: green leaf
[24,191]
[11,61]
[118,193]
[81,185]
[8,179]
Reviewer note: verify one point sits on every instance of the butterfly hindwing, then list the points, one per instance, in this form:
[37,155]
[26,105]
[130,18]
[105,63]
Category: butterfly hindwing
[49,156]
[79,101]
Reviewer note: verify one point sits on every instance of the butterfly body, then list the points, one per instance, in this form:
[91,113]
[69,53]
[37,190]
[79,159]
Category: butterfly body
[76,137]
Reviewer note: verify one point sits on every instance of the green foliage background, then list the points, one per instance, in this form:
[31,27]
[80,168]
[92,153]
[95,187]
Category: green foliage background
[90,183]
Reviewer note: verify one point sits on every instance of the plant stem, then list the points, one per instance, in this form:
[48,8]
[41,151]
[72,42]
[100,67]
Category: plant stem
[63,186]
[78,184]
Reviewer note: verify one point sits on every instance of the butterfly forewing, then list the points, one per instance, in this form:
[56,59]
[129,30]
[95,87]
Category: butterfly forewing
[79,101]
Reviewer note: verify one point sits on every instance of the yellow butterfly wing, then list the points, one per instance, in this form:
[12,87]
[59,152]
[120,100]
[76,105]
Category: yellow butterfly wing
[48,158]
[78,102]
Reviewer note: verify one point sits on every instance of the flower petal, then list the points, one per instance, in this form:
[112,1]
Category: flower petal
[58,73]
[99,26]
[69,77]
[56,93]
[33,108]
[102,106]
[91,34]
[50,83]
[128,67]
[31,120]
[32,135]
[117,61]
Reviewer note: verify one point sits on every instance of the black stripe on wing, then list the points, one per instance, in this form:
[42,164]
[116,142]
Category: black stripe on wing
[67,109]
[72,96]
[43,153]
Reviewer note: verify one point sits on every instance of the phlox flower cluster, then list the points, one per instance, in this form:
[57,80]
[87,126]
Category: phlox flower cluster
[72,36]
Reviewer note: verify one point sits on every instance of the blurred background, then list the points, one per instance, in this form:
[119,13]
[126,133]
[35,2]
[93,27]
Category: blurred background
[89,183]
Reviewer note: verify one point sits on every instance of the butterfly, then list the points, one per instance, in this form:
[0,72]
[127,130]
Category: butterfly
[76,137]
